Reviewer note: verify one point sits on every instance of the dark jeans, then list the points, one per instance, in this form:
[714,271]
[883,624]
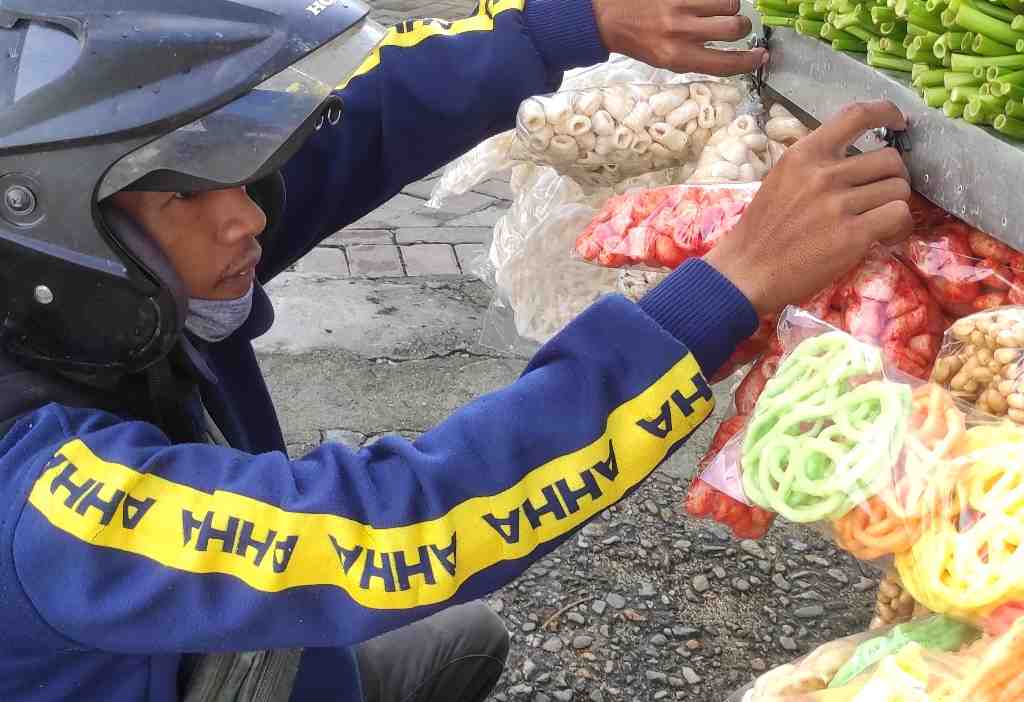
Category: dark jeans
[455,656]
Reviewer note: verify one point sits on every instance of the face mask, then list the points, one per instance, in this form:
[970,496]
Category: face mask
[216,320]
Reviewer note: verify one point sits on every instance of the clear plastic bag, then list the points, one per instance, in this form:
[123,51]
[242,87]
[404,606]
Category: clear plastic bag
[662,228]
[502,152]
[601,136]
[881,302]
[935,659]
[538,287]
[982,362]
[966,270]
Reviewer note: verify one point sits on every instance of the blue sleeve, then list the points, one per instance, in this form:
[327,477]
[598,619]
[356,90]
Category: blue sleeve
[171,548]
[431,91]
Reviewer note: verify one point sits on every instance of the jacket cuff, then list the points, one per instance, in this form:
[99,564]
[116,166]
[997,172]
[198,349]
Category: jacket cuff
[702,309]
[565,32]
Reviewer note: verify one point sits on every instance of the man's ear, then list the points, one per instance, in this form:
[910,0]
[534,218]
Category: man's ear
[146,252]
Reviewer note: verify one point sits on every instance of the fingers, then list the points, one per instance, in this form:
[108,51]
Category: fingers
[871,167]
[836,135]
[720,28]
[889,223]
[711,8]
[869,197]
[725,63]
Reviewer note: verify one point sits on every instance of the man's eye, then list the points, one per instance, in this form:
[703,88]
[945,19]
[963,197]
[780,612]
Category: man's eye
[184,196]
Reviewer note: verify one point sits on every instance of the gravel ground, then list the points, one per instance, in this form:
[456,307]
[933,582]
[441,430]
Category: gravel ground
[647,604]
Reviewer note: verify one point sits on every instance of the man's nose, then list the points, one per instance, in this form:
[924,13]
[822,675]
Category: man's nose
[241,217]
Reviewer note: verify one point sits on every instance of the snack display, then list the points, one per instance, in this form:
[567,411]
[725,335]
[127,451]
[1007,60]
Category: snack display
[663,227]
[982,362]
[603,135]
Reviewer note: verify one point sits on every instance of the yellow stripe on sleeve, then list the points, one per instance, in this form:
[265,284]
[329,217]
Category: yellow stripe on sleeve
[113,506]
[413,32]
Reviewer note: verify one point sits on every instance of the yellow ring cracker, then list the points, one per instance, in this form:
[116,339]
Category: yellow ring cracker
[967,562]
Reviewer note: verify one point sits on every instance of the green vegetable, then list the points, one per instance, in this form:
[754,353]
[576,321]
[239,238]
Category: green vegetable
[953,110]
[809,27]
[893,29]
[977,21]
[891,63]
[963,93]
[964,63]
[856,18]
[778,21]
[1015,77]
[935,6]
[1015,109]
[935,97]
[1013,128]
[776,8]
[948,18]
[976,113]
[983,46]
[930,77]
[936,633]
[1004,88]
[807,11]
[947,43]
[967,42]
[992,10]
[952,80]
[853,45]
[882,14]
[860,32]
[922,19]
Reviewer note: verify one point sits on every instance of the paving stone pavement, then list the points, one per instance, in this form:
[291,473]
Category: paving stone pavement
[404,237]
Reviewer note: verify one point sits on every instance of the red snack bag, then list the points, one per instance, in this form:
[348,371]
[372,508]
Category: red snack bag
[965,270]
[663,227]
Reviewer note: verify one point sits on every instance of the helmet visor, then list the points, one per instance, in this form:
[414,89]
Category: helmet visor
[253,135]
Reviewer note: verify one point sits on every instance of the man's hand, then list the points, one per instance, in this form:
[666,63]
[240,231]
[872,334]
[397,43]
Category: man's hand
[672,34]
[818,212]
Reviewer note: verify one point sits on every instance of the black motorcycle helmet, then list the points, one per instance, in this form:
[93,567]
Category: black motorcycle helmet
[98,96]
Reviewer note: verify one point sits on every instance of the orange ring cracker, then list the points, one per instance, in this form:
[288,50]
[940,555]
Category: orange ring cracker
[890,521]
[872,530]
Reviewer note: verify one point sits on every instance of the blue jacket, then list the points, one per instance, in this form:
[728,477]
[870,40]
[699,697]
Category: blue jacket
[121,551]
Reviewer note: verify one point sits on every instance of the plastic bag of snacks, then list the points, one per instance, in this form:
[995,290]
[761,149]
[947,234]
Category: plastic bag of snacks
[982,362]
[880,302]
[663,227]
[838,439]
[965,269]
[504,151]
[967,560]
[934,659]
[601,136]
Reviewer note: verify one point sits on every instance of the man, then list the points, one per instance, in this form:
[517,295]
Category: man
[157,543]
